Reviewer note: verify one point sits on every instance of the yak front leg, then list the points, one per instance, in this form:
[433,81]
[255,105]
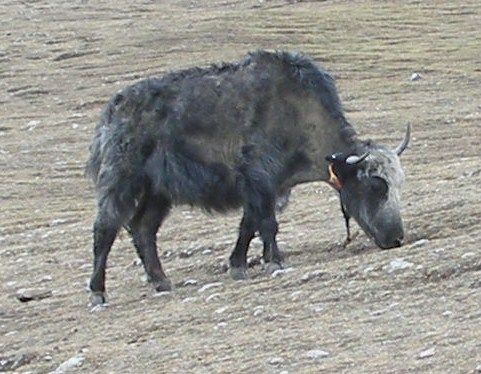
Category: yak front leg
[238,258]
[272,255]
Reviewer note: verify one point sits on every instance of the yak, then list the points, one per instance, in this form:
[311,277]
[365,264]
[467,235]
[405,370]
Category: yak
[233,135]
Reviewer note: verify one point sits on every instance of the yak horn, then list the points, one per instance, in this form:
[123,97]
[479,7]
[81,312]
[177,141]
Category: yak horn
[401,147]
[353,160]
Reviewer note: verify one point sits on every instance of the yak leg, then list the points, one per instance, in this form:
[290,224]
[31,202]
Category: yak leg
[259,215]
[238,258]
[105,231]
[281,202]
[143,229]
[272,255]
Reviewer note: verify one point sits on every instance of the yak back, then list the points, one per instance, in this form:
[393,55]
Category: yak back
[192,134]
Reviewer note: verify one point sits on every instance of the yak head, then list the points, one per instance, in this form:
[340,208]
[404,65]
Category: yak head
[370,189]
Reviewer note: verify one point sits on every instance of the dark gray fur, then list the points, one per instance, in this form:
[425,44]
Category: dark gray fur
[222,137]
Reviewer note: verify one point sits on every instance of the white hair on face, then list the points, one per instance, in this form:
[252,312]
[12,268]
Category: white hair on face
[385,164]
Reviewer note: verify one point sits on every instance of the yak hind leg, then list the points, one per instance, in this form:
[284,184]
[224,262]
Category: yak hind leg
[104,236]
[143,228]
[106,226]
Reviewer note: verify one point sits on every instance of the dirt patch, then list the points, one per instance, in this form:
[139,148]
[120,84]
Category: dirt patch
[356,309]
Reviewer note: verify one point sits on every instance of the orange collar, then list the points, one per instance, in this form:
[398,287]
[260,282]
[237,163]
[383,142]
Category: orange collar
[333,179]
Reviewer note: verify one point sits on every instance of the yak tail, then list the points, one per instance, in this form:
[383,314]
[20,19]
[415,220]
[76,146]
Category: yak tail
[92,167]
[115,168]
[94,162]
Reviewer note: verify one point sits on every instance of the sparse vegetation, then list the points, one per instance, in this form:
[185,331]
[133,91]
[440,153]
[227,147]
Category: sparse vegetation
[354,309]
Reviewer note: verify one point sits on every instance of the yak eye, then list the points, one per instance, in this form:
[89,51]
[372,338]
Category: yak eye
[379,185]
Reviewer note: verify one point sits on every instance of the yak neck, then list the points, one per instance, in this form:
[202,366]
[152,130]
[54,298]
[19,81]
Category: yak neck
[342,138]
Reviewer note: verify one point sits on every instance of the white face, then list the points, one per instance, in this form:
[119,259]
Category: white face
[370,189]
[371,195]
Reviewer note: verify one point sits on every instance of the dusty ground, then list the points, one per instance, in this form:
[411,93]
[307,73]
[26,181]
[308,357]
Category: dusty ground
[59,63]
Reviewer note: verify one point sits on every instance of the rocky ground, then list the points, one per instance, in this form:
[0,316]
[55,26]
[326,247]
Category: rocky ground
[334,309]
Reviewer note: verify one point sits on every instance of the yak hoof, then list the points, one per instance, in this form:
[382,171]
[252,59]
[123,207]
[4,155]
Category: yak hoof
[97,298]
[271,267]
[163,285]
[238,273]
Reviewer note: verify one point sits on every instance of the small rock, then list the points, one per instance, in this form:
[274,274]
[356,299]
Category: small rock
[275,361]
[427,353]
[317,308]
[74,126]
[368,270]
[280,272]
[378,312]
[447,313]
[220,325]
[26,295]
[185,254]
[206,252]
[190,282]
[317,353]
[296,295]
[311,275]
[31,125]
[99,308]
[478,368]
[57,222]
[212,297]
[420,243]
[189,299]
[162,294]
[48,358]
[415,77]
[258,310]
[398,264]
[209,286]
[221,310]
[70,364]
[468,254]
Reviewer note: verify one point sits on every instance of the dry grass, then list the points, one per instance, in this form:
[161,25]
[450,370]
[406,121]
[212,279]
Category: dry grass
[60,61]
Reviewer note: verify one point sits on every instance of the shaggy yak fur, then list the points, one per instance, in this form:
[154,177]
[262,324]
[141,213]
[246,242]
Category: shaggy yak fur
[223,137]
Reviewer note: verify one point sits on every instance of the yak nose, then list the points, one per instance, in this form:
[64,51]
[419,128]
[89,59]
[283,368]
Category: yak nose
[398,242]
[392,243]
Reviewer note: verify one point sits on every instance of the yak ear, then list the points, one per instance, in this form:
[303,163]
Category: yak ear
[333,157]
